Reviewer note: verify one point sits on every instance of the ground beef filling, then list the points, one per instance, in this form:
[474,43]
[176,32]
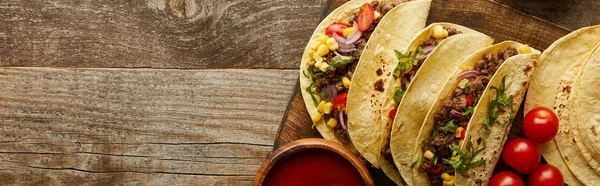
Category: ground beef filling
[329,84]
[440,140]
[407,77]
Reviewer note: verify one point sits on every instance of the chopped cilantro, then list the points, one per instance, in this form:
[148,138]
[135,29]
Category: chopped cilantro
[416,162]
[345,59]
[312,94]
[400,93]
[462,161]
[450,127]
[405,61]
[468,111]
[432,137]
[501,101]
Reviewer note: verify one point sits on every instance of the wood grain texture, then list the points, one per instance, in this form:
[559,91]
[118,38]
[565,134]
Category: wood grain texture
[138,127]
[572,14]
[157,33]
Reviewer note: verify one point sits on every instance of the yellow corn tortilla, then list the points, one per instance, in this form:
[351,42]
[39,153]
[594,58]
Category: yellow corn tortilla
[555,62]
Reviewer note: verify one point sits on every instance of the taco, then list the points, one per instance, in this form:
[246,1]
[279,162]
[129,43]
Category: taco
[335,50]
[564,58]
[382,78]
[463,133]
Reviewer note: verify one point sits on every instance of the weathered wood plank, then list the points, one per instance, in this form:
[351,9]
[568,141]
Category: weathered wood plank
[157,33]
[571,14]
[140,126]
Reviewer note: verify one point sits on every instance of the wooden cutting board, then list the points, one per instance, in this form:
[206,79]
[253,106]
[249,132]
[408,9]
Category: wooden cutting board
[492,18]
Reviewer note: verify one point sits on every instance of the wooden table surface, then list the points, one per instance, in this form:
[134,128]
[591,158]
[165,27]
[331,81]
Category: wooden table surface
[170,92]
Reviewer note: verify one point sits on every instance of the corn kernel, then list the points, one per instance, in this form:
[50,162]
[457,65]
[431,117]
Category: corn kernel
[311,59]
[328,107]
[322,39]
[318,60]
[332,123]
[376,15]
[321,106]
[349,31]
[439,32]
[314,45]
[332,44]
[524,49]
[346,82]
[458,132]
[445,176]
[460,143]
[428,154]
[324,67]
[317,117]
[449,182]
[323,50]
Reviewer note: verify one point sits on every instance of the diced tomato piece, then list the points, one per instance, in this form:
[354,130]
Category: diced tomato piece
[365,17]
[340,100]
[392,113]
[462,133]
[469,100]
[337,27]
[437,168]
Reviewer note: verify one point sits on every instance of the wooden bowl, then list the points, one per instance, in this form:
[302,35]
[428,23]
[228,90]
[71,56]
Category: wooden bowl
[307,144]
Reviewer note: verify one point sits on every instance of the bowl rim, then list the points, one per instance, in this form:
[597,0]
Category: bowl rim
[306,144]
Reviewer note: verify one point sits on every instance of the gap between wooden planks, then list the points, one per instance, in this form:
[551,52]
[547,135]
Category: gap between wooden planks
[138,126]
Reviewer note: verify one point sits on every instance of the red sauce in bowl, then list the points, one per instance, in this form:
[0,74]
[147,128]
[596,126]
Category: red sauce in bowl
[316,167]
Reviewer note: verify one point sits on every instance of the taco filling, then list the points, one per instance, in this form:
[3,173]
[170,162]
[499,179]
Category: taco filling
[408,66]
[439,157]
[333,58]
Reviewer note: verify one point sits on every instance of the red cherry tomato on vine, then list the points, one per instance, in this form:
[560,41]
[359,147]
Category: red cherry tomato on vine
[546,175]
[522,155]
[540,125]
[337,27]
[365,17]
[340,100]
[506,178]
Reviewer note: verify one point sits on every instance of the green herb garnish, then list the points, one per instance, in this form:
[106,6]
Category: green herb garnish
[468,111]
[501,101]
[405,61]
[400,93]
[416,161]
[450,127]
[464,161]
[312,94]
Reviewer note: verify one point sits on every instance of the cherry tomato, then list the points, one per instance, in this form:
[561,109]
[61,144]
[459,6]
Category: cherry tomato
[522,155]
[337,27]
[437,168]
[469,100]
[340,100]
[540,125]
[392,113]
[546,175]
[365,17]
[506,178]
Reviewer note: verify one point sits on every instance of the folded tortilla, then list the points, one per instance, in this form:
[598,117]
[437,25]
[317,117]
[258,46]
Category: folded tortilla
[564,58]
[514,75]
[398,26]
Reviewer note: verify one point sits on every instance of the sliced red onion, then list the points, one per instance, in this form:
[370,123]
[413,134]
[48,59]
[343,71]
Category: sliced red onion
[342,123]
[456,114]
[345,46]
[339,39]
[468,74]
[354,36]
[346,50]
[428,49]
